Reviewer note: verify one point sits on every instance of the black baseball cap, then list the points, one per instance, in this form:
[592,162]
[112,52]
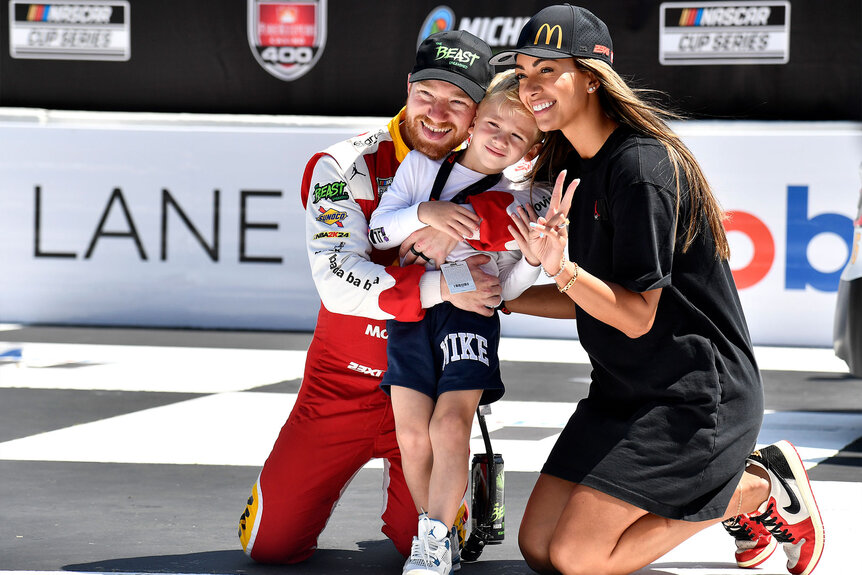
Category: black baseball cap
[457,57]
[562,31]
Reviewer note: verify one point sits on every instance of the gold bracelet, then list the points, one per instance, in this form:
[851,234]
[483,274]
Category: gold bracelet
[572,281]
[562,267]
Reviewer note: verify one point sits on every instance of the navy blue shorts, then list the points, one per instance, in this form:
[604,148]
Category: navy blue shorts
[449,350]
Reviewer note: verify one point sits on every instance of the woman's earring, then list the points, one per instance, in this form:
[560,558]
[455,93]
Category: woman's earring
[591,89]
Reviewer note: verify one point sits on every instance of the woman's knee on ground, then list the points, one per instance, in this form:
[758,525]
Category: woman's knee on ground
[570,558]
[535,552]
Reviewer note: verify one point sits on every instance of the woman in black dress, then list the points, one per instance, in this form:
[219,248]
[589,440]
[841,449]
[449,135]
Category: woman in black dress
[662,447]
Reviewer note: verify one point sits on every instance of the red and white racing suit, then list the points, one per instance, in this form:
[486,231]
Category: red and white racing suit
[341,418]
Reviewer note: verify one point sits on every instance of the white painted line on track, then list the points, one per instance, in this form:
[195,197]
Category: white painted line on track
[542,350]
[239,428]
[143,368]
[220,429]
[799,359]
[768,358]
[214,370]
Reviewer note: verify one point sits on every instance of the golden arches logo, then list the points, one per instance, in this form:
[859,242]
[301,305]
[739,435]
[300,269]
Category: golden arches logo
[549,34]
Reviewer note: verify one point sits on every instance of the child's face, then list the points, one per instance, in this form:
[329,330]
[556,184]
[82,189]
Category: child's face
[501,137]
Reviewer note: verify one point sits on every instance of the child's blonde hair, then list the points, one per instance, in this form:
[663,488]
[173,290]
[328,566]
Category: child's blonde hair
[504,87]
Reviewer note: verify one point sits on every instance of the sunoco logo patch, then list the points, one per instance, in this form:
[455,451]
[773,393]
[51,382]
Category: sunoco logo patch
[331,217]
[286,37]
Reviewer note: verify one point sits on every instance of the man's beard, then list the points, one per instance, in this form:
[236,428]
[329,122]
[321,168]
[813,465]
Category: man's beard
[436,149]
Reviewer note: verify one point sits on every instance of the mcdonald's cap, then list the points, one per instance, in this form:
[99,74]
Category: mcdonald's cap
[457,57]
[561,31]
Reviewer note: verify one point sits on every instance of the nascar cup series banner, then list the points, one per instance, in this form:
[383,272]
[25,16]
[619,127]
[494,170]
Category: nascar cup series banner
[753,59]
[179,221]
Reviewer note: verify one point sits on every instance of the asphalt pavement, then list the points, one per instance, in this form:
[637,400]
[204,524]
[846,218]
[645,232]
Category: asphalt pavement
[134,450]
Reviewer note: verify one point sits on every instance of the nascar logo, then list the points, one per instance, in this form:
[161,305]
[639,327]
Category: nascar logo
[69,13]
[725,16]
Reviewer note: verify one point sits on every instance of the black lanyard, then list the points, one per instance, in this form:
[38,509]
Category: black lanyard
[482,185]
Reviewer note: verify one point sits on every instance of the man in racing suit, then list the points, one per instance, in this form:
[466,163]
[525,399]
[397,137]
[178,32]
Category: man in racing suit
[341,418]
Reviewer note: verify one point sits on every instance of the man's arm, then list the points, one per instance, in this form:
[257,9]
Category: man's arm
[349,283]
[339,252]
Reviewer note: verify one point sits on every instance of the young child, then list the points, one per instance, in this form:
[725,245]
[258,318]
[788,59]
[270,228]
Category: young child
[443,366]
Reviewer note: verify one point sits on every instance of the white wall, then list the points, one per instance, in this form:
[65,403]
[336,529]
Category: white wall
[800,181]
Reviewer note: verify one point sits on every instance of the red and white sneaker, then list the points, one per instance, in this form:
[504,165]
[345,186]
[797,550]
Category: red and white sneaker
[790,512]
[754,543]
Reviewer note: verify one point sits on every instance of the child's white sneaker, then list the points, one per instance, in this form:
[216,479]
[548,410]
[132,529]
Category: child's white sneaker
[431,552]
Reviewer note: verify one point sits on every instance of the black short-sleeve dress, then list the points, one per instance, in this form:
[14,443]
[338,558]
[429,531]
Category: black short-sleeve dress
[671,415]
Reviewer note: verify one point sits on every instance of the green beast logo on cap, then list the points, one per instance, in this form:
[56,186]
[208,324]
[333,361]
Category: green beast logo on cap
[456,56]
[332,191]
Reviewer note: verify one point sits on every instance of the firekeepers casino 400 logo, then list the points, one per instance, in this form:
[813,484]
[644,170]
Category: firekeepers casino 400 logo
[287,37]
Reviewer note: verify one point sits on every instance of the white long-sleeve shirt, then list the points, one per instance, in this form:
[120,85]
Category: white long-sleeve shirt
[396,217]
[340,188]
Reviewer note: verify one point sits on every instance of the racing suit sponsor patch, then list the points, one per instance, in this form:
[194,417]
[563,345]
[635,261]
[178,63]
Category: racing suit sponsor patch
[321,235]
[331,217]
[377,235]
[333,191]
[366,370]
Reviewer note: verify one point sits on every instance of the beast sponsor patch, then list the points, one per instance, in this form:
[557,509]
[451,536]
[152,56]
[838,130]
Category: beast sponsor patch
[333,192]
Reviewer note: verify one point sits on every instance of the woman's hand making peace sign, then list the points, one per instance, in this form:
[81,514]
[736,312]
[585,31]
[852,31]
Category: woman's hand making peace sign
[546,237]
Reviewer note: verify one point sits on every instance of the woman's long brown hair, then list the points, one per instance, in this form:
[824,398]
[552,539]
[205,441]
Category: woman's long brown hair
[624,105]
